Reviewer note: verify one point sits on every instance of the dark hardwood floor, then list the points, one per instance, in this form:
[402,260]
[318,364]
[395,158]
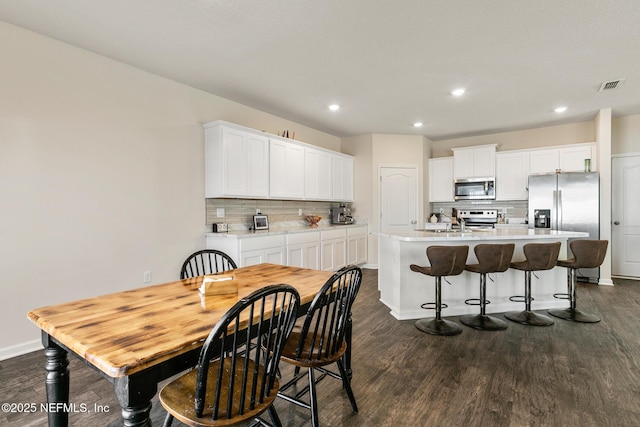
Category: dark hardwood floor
[567,374]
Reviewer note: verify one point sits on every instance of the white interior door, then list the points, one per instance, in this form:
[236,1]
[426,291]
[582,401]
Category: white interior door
[398,199]
[625,215]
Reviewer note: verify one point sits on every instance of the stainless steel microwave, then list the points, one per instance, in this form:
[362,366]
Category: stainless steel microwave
[475,189]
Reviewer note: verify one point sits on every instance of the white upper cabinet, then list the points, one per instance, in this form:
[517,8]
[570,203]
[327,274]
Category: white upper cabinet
[317,176]
[236,163]
[471,162]
[544,161]
[245,163]
[572,158]
[286,170]
[512,173]
[568,158]
[342,176]
[441,179]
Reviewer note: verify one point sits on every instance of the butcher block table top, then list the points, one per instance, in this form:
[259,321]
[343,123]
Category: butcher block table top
[127,332]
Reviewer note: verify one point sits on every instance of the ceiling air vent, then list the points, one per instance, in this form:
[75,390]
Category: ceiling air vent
[610,85]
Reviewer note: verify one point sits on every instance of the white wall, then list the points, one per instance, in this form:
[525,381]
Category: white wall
[101,175]
[375,150]
[625,134]
[361,147]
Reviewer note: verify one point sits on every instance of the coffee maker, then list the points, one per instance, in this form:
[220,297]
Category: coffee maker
[340,215]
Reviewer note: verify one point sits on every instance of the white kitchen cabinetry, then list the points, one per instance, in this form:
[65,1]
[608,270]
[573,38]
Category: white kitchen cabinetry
[568,158]
[286,170]
[544,161]
[342,176]
[236,163]
[357,245]
[512,172]
[317,175]
[441,179]
[303,250]
[478,161]
[251,250]
[241,162]
[572,158]
[333,244]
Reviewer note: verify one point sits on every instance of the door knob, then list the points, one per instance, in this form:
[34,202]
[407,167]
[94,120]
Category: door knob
[616,222]
[414,222]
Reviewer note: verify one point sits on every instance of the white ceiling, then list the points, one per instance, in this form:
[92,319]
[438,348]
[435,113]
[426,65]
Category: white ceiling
[388,63]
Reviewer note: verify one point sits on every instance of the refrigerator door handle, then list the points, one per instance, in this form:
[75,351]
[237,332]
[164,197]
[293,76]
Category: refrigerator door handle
[554,212]
[559,227]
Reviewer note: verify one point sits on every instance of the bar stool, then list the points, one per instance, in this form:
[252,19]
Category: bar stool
[445,261]
[586,254]
[539,256]
[492,258]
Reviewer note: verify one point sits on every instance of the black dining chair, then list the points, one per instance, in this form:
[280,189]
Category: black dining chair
[321,340]
[235,381]
[207,261]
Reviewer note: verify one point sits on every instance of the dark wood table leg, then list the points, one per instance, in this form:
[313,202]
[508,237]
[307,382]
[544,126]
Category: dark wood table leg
[348,332]
[134,393]
[56,382]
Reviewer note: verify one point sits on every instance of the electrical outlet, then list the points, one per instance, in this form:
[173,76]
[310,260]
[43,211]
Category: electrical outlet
[220,212]
[441,210]
[146,277]
[299,212]
[258,212]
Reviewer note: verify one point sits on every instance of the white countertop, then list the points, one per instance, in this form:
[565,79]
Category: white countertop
[511,233]
[242,234]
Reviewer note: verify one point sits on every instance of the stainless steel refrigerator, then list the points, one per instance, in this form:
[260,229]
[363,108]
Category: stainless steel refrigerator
[567,202]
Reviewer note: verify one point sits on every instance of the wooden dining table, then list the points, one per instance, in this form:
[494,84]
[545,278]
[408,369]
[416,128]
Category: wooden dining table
[140,337]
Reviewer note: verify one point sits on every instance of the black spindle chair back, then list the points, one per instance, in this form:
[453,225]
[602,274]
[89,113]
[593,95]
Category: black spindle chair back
[323,331]
[207,261]
[235,379]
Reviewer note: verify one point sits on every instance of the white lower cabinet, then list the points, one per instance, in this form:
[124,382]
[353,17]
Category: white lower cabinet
[329,249]
[303,250]
[270,255]
[357,245]
[252,250]
[333,245]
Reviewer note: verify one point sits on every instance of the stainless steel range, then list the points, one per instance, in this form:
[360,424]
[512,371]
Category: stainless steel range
[486,218]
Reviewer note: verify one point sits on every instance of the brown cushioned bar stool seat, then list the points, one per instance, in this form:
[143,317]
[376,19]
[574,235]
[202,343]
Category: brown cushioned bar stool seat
[586,254]
[445,261]
[540,256]
[492,258]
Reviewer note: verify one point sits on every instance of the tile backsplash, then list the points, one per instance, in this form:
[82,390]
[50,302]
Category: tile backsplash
[515,210]
[238,213]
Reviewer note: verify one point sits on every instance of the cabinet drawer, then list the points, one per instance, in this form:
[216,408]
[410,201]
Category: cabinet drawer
[300,238]
[357,231]
[263,242]
[333,234]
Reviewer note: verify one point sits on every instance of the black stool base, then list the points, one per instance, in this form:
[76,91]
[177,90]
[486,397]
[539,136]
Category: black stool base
[575,315]
[484,322]
[438,327]
[529,318]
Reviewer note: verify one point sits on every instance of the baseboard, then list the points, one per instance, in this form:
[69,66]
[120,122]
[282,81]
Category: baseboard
[615,276]
[20,349]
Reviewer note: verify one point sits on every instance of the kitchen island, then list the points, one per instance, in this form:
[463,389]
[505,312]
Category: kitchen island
[403,290]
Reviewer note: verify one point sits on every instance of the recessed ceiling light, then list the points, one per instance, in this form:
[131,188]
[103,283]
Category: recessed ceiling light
[334,107]
[458,92]
[418,124]
[560,109]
